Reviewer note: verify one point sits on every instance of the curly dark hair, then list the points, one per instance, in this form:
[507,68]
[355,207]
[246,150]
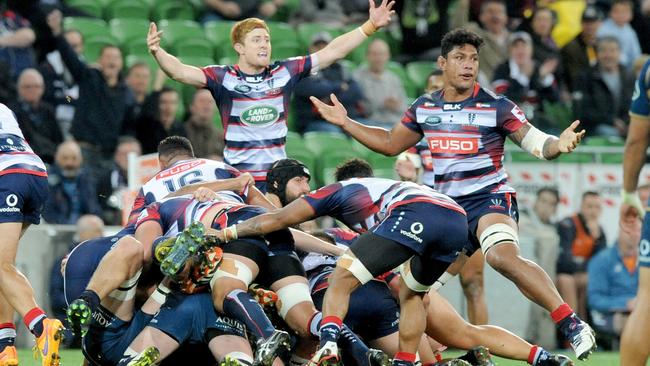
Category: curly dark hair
[353,168]
[459,37]
[175,145]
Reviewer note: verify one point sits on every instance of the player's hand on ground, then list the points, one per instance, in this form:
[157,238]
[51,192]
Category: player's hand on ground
[335,113]
[570,139]
[380,16]
[54,21]
[203,194]
[153,38]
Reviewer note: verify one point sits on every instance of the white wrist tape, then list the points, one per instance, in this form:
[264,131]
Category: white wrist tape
[534,141]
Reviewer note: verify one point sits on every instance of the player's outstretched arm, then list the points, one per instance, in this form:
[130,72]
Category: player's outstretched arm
[237,184]
[311,244]
[377,139]
[379,17]
[545,146]
[171,65]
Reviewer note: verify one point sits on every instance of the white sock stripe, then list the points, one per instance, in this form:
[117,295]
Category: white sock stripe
[537,353]
[7,333]
[313,325]
[36,320]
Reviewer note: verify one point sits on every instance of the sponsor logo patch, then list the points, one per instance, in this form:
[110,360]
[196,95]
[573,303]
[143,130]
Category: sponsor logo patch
[453,145]
[259,115]
[243,88]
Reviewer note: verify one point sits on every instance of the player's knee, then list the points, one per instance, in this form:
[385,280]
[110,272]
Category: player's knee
[473,289]
[350,272]
[222,287]
[496,236]
[129,249]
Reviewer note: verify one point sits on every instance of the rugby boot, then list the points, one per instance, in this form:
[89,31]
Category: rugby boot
[478,356]
[47,345]
[9,356]
[187,243]
[146,358]
[579,334]
[452,362]
[377,357]
[266,298]
[268,349]
[554,360]
[327,355]
[79,316]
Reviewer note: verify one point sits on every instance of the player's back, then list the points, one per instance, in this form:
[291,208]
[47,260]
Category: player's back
[16,156]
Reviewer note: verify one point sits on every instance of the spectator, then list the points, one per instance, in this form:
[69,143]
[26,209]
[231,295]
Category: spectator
[16,40]
[158,120]
[541,26]
[525,81]
[72,188]
[434,81]
[88,227]
[333,79]
[104,97]
[581,236]
[537,229]
[238,10]
[137,79]
[36,117]
[61,90]
[384,92]
[114,181]
[333,12]
[613,282]
[494,20]
[580,53]
[423,23]
[618,25]
[606,90]
[199,127]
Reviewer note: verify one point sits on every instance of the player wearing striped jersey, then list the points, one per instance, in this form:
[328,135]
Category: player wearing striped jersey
[400,222]
[23,190]
[635,340]
[465,127]
[253,95]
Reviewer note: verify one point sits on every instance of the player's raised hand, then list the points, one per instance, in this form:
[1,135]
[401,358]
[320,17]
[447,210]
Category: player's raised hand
[153,38]
[570,139]
[335,114]
[380,16]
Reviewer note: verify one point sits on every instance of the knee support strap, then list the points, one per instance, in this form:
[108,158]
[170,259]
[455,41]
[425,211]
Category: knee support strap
[233,268]
[497,234]
[290,296]
[127,289]
[354,265]
[410,281]
[442,280]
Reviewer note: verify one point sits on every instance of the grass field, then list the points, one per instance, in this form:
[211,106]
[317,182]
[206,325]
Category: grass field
[74,358]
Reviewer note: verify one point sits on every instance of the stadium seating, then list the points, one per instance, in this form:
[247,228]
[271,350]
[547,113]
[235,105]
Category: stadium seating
[218,32]
[382,166]
[418,71]
[321,142]
[89,27]
[328,162]
[172,10]
[307,30]
[136,46]
[177,29]
[282,33]
[283,51]
[90,7]
[134,9]
[193,47]
[125,29]
[93,45]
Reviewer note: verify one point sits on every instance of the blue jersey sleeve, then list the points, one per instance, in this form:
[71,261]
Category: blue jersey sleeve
[214,78]
[409,119]
[150,213]
[510,117]
[641,97]
[325,201]
[299,67]
[226,172]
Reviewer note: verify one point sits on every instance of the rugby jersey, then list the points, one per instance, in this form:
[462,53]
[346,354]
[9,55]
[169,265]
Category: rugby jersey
[641,97]
[361,203]
[254,111]
[16,156]
[466,139]
[180,174]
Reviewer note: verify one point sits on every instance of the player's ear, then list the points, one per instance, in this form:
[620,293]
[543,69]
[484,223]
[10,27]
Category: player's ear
[441,62]
[239,48]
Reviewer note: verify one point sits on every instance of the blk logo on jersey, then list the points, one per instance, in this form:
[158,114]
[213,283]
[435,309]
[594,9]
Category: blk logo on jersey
[452,107]
[453,145]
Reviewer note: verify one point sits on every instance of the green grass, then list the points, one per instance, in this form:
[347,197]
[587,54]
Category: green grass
[74,358]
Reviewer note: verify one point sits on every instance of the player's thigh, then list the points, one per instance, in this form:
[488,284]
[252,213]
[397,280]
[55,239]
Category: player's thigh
[9,241]
[372,255]
[154,337]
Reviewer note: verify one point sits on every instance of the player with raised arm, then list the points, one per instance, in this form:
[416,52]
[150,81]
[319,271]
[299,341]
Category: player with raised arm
[253,95]
[465,126]
[635,340]
[23,190]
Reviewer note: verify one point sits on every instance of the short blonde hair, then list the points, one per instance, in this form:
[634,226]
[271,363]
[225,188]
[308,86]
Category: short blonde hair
[243,27]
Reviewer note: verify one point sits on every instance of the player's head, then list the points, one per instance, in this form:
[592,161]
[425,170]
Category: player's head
[173,149]
[251,40]
[459,58]
[353,168]
[288,179]
[435,81]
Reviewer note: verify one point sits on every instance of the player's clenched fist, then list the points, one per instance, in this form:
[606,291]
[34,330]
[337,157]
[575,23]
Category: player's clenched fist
[153,38]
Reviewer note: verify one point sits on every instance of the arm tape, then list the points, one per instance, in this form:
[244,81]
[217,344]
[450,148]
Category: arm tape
[534,141]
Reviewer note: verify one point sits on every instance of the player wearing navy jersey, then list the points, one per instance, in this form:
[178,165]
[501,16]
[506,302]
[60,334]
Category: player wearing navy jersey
[23,190]
[465,127]
[253,95]
[635,340]
[397,218]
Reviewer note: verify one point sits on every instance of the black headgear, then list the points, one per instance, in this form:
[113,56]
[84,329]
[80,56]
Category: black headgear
[281,173]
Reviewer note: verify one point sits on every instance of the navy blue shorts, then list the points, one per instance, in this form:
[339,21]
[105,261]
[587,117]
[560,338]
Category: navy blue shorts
[22,197]
[430,230]
[479,205]
[373,312]
[82,263]
[644,245]
[108,336]
[187,318]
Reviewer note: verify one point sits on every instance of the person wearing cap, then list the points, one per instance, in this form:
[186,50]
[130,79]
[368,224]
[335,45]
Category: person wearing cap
[526,82]
[333,79]
[580,53]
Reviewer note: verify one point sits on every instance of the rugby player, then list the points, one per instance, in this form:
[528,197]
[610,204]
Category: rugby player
[23,191]
[253,95]
[466,126]
[635,340]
